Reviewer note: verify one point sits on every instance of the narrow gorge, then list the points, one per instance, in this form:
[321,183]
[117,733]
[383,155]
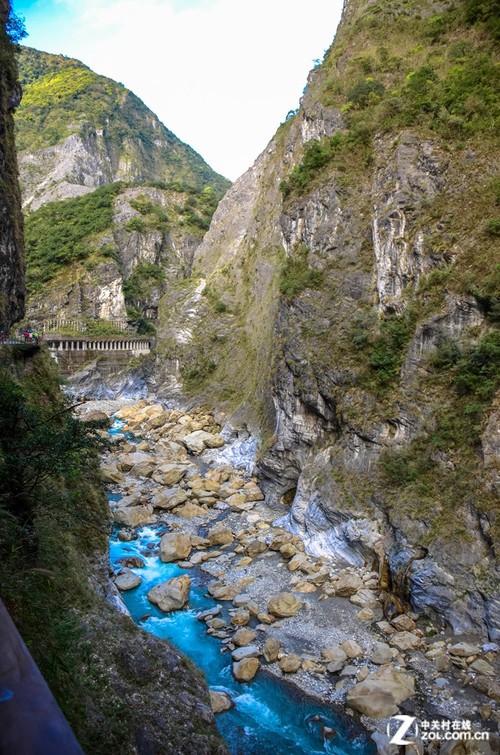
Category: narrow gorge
[303,466]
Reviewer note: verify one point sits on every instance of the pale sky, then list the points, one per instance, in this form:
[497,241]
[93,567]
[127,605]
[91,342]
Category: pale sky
[220,74]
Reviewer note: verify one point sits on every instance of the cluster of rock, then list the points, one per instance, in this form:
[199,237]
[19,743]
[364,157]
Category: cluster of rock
[158,474]
[374,668]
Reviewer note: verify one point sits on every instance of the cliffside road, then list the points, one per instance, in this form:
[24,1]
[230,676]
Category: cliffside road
[31,722]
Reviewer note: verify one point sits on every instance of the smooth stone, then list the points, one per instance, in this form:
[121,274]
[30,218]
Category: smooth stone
[209,613]
[245,670]
[175,546]
[127,581]
[244,637]
[220,701]
[250,651]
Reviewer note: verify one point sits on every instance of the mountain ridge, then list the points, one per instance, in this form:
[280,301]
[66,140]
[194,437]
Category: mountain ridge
[77,130]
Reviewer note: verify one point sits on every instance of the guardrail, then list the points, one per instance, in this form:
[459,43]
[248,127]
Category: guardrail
[56,324]
[31,722]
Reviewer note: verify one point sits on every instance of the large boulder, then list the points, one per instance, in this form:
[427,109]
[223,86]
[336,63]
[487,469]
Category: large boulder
[283,605]
[127,581]
[175,546]
[172,594]
[244,637]
[95,415]
[144,468]
[132,516]
[245,670]
[197,441]
[220,701]
[248,651]
[189,510]
[169,498]
[379,695]
[271,649]
[381,653]
[347,585]
[290,663]
[220,535]
[169,474]
[129,461]
[111,474]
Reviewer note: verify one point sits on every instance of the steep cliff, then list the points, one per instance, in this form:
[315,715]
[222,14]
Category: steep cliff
[344,303]
[11,223]
[77,130]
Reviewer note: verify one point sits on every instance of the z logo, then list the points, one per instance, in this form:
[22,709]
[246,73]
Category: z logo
[406,722]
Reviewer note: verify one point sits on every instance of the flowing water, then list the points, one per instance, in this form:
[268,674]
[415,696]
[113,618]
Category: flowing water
[269,716]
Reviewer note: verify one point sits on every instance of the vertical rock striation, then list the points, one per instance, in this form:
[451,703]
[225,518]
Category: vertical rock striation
[349,310]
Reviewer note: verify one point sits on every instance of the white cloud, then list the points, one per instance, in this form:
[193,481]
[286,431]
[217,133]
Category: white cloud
[221,74]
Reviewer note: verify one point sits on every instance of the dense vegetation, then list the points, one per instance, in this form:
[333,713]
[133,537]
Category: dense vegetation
[62,233]
[52,518]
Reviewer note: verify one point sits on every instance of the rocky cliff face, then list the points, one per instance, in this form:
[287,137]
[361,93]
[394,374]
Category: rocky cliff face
[344,304]
[77,131]
[115,270]
[11,225]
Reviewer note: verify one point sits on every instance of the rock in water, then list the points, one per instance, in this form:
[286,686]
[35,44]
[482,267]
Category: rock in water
[175,546]
[379,695]
[171,595]
[133,515]
[127,581]
[220,701]
[245,670]
[284,604]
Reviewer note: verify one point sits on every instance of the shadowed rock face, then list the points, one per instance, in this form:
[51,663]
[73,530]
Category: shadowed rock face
[11,226]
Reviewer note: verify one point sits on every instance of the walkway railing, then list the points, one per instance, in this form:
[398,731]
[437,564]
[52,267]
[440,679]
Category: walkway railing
[31,722]
[57,324]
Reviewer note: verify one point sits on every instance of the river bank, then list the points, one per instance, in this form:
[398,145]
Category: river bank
[304,619]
